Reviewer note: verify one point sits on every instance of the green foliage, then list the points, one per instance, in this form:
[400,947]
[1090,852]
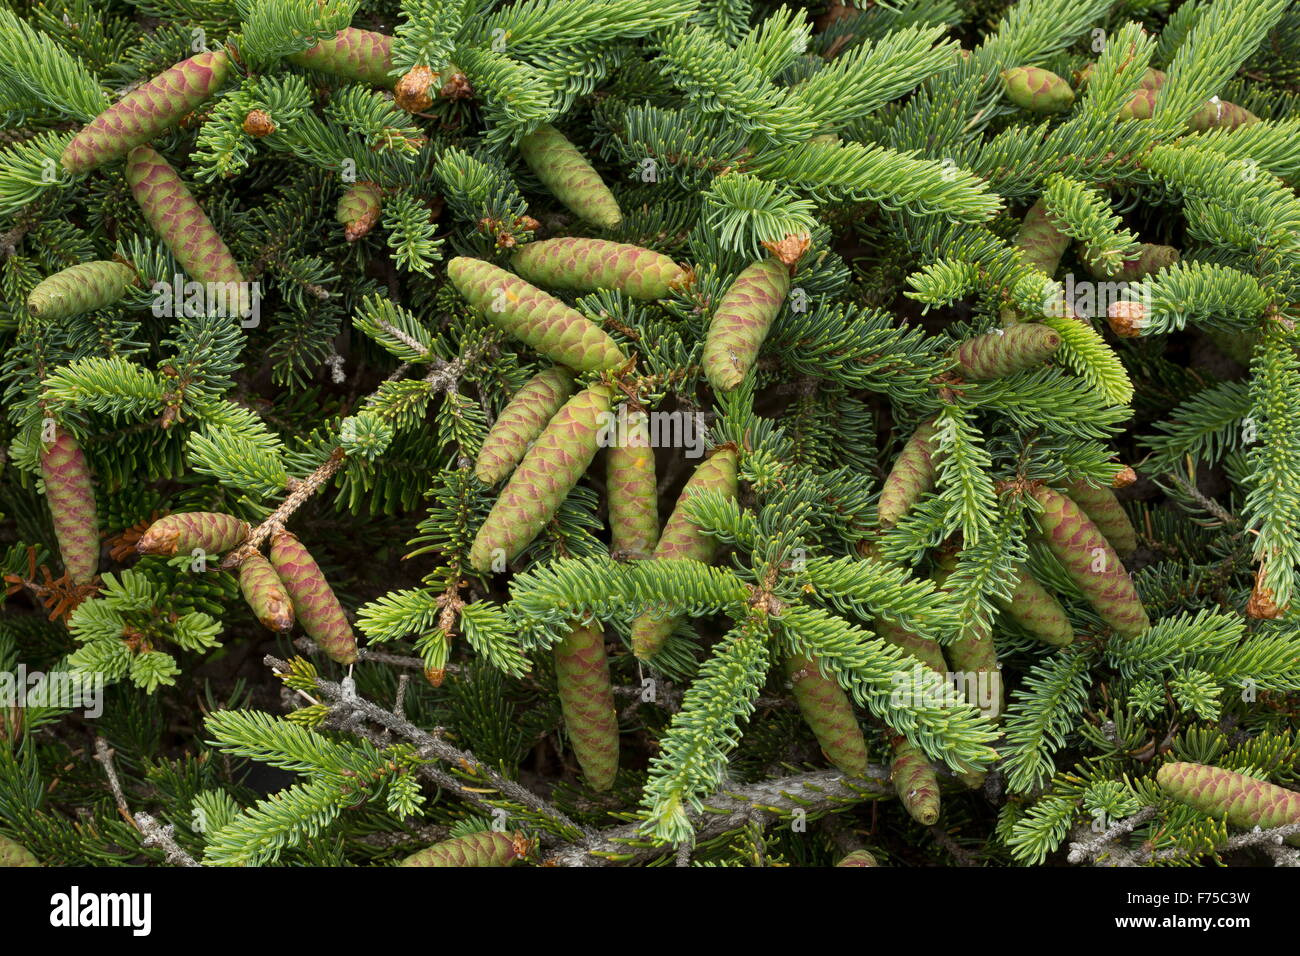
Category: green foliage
[890,491]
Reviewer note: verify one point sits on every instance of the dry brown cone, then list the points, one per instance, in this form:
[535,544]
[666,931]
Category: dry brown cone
[259,123]
[1124,477]
[413,91]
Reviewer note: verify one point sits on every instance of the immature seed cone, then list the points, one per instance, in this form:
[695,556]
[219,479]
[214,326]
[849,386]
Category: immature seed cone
[924,649]
[1003,352]
[520,422]
[550,469]
[1152,79]
[181,533]
[973,656]
[1149,261]
[587,701]
[858,858]
[1244,801]
[1220,114]
[314,602]
[1140,106]
[915,782]
[80,288]
[911,477]
[358,209]
[353,54]
[535,318]
[1040,242]
[172,212]
[570,178]
[1033,88]
[1033,608]
[741,322]
[633,492]
[146,112]
[1080,548]
[585,265]
[265,593]
[487,848]
[14,854]
[1105,511]
[829,713]
[71,499]
[681,538]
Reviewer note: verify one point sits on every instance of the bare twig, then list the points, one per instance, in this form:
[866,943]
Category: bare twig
[152,833]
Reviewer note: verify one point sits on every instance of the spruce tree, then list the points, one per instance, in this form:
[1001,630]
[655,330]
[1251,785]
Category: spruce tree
[598,432]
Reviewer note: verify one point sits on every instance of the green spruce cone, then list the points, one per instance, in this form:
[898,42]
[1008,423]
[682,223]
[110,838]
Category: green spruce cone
[359,209]
[911,477]
[972,656]
[633,492]
[1005,351]
[314,602]
[828,711]
[915,782]
[570,178]
[1091,562]
[181,533]
[858,858]
[1150,260]
[550,469]
[681,538]
[1034,608]
[71,499]
[1220,114]
[538,320]
[1244,801]
[520,422]
[487,848]
[1140,106]
[585,265]
[741,321]
[924,649]
[80,288]
[353,54]
[14,854]
[1152,79]
[1104,510]
[1038,90]
[146,112]
[1040,242]
[587,701]
[182,225]
[265,593]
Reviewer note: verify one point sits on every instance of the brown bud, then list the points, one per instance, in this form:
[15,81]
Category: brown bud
[1126,318]
[456,88]
[1124,477]
[529,223]
[791,248]
[1261,603]
[259,123]
[412,91]
[435,675]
